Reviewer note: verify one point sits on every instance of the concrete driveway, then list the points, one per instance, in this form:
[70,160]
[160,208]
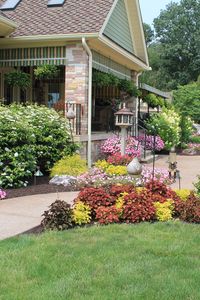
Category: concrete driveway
[20,214]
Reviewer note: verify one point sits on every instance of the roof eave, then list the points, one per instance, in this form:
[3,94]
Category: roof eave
[7,26]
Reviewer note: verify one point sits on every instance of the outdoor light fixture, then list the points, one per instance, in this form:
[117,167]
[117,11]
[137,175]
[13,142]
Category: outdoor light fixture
[172,164]
[37,173]
[178,176]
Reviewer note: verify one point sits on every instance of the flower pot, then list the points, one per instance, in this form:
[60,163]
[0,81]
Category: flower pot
[134,167]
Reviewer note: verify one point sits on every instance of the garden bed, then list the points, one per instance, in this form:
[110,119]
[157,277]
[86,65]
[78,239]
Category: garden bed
[42,187]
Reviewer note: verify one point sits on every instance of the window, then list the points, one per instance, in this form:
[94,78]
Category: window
[55,2]
[10,4]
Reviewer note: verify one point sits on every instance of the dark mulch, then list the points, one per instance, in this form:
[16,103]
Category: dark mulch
[42,187]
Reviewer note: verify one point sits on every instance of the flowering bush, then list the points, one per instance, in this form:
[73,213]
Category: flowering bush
[148,142]
[164,210]
[107,215]
[2,194]
[81,213]
[166,125]
[30,135]
[118,159]
[112,146]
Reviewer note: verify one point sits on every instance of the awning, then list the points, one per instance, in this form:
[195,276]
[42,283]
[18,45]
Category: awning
[107,65]
[21,57]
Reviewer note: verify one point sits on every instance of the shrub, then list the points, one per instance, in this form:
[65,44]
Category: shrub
[186,129]
[2,194]
[166,125]
[195,139]
[164,210]
[189,210]
[118,159]
[69,165]
[51,131]
[81,213]
[17,153]
[94,198]
[59,216]
[138,208]
[107,215]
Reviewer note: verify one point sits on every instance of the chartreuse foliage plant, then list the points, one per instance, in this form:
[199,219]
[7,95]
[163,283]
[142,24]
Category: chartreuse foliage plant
[183,193]
[111,169]
[69,165]
[81,213]
[164,210]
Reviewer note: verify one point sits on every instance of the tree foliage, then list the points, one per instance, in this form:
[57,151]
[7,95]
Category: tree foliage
[178,32]
[187,100]
[148,33]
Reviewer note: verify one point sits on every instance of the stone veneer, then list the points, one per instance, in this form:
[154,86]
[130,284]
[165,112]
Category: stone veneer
[76,81]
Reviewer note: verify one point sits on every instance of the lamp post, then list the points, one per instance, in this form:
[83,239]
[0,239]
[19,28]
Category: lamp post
[124,119]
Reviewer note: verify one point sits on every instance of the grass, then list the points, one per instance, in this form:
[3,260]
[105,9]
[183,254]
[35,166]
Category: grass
[146,261]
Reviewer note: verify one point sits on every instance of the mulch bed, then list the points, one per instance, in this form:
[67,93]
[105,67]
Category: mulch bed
[42,187]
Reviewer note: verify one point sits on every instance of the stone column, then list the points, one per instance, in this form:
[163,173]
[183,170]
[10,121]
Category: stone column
[76,81]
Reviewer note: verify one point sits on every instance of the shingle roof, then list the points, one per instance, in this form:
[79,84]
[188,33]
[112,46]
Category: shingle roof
[34,17]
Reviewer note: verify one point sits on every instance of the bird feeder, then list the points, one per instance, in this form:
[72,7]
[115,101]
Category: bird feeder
[123,119]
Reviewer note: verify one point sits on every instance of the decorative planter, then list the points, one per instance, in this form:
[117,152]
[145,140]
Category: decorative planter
[134,167]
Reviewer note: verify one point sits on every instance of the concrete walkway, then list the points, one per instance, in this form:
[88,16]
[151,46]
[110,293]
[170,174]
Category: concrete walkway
[189,167]
[20,214]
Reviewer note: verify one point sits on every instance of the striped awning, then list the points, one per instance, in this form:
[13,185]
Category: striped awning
[32,56]
[107,65]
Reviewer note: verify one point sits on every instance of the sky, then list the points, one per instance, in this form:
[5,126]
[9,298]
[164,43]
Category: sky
[151,9]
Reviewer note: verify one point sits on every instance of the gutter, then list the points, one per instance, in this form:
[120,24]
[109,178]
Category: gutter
[89,152]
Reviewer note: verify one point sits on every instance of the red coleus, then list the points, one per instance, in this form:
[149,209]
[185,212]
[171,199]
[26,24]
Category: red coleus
[108,215]
[95,197]
[118,159]
[138,207]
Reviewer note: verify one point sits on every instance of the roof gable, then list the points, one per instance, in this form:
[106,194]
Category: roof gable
[128,34]
[118,28]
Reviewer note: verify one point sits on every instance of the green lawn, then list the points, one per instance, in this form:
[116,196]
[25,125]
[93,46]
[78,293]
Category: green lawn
[146,261]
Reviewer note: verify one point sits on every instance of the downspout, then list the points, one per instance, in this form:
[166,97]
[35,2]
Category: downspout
[89,150]
[136,108]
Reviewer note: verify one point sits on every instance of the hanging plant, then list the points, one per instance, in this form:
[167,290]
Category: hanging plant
[19,79]
[46,72]
[129,87]
[101,79]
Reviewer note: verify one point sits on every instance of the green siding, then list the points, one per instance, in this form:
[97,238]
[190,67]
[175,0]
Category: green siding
[117,28]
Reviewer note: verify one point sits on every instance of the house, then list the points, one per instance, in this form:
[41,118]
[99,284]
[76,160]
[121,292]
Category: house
[78,36]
